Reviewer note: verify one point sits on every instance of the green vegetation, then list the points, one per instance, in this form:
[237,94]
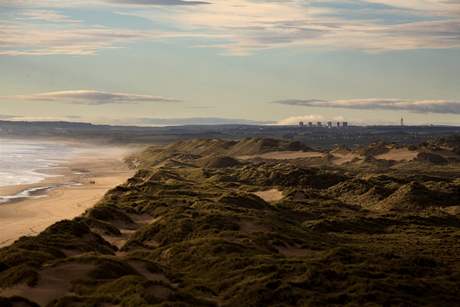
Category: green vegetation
[186,233]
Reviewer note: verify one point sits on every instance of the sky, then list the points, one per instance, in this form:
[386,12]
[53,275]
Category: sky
[159,62]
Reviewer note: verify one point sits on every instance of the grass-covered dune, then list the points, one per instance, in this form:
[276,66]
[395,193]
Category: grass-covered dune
[186,233]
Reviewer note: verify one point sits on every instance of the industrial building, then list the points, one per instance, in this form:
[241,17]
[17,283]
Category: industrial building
[328,124]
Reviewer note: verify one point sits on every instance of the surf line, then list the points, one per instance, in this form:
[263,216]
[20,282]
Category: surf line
[33,193]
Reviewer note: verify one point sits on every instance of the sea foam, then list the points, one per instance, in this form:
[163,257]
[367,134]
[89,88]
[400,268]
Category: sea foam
[26,162]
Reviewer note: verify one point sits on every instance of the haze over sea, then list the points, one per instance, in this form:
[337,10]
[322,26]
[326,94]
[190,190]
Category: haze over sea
[28,162]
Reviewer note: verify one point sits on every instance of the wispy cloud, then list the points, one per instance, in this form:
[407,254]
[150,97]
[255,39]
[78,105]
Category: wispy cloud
[46,15]
[148,121]
[239,26]
[74,39]
[88,97]
[427,6]
[20,118]
[6,117]
[85,3]
[418,106]
[141,121]
[249,26]
[63,40]
[159,2]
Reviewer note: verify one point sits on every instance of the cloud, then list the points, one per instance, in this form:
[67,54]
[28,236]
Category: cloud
[89,97]
[141,121]
[239,27]
[86,3]
[57,40]
[428,6]
[418,106]
[6,117]
[72,38]
[148,121]
[39,119]
[46,15]
[159,2]
[249,26]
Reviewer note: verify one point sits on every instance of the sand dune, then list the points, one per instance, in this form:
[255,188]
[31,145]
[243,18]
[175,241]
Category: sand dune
[398,154]
[270,195]
[54,282]
[343,158]
[285,155]
[189,233]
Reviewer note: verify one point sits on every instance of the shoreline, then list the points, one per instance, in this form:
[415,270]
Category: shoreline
[74,186]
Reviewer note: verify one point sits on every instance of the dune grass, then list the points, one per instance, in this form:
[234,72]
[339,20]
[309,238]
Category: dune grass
[198,236]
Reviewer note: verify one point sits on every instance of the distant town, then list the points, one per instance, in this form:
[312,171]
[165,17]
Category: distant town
[317,134]
[329,124]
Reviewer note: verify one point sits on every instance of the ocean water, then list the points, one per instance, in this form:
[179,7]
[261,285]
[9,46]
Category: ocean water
[26,162]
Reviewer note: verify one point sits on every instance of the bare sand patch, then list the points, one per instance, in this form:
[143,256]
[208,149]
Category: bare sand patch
[53,282]
[270,195]
[120,240]
[285,155]
[398,154]
[83,181]
[343,158]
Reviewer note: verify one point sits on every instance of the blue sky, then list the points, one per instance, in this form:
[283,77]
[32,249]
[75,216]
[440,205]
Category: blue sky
[137,61]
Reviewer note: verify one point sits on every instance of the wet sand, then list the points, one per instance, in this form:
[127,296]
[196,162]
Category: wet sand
[80,184]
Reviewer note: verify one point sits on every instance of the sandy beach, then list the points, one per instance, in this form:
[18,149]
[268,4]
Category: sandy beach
[77,186]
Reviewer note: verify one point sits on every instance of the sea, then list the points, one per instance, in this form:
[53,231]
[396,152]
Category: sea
[25,162]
